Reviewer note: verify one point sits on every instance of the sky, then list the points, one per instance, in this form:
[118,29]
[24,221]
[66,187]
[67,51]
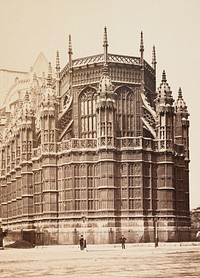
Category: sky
[28,27]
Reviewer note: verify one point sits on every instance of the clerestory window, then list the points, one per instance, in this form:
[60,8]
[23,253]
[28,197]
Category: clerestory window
[125,112]
[88,113]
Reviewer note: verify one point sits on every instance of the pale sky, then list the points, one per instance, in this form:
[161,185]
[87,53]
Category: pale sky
[28,27]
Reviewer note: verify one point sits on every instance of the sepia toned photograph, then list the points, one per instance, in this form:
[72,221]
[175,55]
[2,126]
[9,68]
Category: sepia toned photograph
[99,130]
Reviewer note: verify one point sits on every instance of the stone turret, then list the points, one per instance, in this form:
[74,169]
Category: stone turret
[49,135]
[182,123]
[165,137]
[48,110]
[106,121]
[182,151]
[165,115]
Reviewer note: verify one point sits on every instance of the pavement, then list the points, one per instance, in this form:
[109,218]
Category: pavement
[137,260]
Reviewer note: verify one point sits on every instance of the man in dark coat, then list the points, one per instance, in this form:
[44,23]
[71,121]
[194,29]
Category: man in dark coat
[123,240]
[81,241]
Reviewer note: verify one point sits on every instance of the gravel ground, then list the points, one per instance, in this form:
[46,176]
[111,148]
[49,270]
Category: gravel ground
[167,260]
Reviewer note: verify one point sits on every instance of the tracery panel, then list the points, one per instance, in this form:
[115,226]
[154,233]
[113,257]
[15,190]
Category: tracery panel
[125,112]
[87,112]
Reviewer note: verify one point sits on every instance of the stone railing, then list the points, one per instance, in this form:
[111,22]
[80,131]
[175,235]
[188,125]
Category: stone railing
[88,60]
[135,143]
[122,59]
[77,144]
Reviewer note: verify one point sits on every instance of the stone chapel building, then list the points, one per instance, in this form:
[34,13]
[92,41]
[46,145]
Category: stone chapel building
[94,149]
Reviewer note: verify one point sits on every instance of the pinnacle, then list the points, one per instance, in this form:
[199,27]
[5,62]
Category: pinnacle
[141,43]
[70,45]
[57,60]
[105,39]
[164,77]
[180,93]
[49,77]
[154,55]
[26,98]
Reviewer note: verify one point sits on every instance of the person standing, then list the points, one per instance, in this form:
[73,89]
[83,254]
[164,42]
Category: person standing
[81,241]
[123,240]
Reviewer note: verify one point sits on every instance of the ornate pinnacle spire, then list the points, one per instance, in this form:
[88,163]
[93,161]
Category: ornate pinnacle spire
[26,97]
[57,73]
[181,104]
[57,61]
[49,77]
[164,96]
[105,38]
[70,52]
[70,46]
[20,103]
[105,45]
[141,43]
[164,79]
[27,105]
[154,56]
[180,96]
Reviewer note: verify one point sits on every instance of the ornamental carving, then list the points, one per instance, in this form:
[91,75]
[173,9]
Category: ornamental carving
[137,167]
[103,141]
[109,141]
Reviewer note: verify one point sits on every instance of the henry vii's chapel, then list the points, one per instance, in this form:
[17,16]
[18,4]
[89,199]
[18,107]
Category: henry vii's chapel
[94,149]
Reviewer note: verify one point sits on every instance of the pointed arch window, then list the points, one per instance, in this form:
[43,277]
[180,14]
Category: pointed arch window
[88,113]
[125,112]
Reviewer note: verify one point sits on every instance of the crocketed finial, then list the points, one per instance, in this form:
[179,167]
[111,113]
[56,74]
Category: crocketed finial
[105,38]
[180,96]
[57,61]
[26,97]
[70,46]
[70,52]
[164,76]
[181,104]
[154,55]
[49,76]
[105,45]
[141,43]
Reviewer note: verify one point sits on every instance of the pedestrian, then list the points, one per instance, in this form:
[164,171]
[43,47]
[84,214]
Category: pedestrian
[81,241]
[123,240]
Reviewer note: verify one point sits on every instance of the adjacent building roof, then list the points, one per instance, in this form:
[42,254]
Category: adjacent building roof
[11,82]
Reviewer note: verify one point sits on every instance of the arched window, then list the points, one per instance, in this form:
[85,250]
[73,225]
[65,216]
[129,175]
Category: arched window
[88,113]
[125,112]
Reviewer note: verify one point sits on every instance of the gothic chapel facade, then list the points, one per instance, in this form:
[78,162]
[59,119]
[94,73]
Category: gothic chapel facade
[94,149]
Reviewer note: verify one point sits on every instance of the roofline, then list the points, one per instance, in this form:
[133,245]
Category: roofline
[99,59]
